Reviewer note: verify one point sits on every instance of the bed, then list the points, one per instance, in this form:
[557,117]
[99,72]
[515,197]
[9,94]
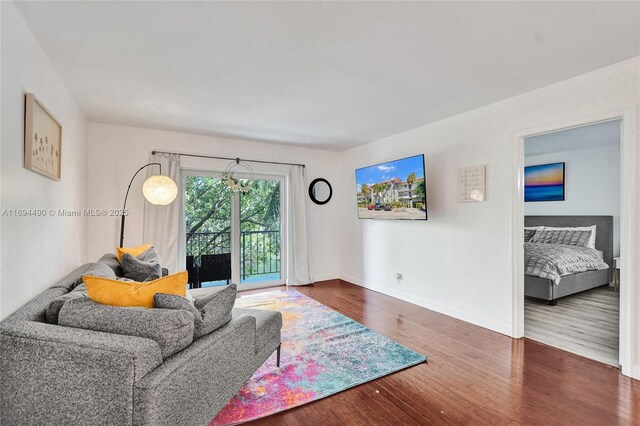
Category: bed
[547,289]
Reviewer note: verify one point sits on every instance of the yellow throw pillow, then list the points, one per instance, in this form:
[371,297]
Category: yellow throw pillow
[133,251]
[131,293]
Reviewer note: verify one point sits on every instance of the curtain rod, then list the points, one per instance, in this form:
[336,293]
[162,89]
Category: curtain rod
[226,158]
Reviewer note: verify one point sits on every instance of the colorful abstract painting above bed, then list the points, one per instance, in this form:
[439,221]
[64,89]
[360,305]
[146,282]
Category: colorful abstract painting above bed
[544,182]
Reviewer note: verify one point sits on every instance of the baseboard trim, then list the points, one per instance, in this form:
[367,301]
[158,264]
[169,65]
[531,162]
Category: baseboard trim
[324,277]
[635,372]
[440,308]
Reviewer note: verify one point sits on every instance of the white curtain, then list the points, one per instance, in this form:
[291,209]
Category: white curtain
[161,226]
[299,271]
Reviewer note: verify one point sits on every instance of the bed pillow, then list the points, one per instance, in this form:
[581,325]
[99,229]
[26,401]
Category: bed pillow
[562,236]
[530,231]
[592,238]
[528,234]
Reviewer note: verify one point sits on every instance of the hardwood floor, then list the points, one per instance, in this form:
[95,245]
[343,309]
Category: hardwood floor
[586,323]
[473,376]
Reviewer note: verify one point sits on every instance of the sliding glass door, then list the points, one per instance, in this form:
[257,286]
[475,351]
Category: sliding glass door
[233,236]
[260,236]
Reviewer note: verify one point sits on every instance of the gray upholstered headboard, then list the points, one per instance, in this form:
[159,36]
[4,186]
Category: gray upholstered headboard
[604,230]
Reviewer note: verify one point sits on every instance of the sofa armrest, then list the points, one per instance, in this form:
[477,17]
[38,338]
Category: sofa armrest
[145,352]
[204,376]
[238,332]
[62,375]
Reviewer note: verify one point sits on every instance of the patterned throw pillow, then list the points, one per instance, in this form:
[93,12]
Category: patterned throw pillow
[211,311]
[564,237]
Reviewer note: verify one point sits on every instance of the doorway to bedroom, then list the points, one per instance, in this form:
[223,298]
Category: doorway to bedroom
[572,239]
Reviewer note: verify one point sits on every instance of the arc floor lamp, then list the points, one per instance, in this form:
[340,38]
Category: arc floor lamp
[157,189]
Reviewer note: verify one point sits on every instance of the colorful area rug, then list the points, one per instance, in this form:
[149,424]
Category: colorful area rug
[323,352]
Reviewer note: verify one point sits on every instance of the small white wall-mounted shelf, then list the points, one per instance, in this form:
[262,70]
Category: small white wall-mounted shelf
[471,183]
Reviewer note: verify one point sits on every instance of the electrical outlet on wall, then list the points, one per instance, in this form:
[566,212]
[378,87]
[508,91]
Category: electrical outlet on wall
[398,277]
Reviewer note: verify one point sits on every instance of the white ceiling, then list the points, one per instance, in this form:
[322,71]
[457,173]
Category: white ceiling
[592,135]
[327,74]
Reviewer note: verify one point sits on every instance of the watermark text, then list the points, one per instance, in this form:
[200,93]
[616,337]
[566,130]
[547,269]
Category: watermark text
[63,212]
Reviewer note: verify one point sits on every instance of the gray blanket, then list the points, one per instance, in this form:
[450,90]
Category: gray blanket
[551,261]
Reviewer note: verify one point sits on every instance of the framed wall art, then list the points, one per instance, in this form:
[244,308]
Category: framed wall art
[42,139]
[544,182]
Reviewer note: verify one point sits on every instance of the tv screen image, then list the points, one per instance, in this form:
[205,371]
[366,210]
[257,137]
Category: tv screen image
[393,190]
[544,182]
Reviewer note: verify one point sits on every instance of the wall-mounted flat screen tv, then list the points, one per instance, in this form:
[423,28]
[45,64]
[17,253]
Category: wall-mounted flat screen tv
[393,190]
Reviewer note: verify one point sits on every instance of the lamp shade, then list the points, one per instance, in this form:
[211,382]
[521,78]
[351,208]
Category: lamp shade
[160,190]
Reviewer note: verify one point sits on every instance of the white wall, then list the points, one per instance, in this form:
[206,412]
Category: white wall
[459,261]
[116,152]
[37,251]
[592,185]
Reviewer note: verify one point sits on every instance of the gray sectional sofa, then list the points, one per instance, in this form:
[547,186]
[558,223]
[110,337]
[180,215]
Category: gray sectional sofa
[52,374]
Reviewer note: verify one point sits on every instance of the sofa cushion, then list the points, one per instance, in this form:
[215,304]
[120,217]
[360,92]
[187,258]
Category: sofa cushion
[74,278]
[128,293]
[268,324]
[210,312]
[142,267]
[112,262]
[56,304]
[99,270]
[171,329]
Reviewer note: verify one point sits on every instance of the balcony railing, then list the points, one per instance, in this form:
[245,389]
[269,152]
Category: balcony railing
[259,253]
[259,250]
[208,243]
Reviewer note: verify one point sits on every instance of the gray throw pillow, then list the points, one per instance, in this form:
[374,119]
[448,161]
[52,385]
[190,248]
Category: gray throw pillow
[171,329]
[142,267]
[210,312]
[97,270]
